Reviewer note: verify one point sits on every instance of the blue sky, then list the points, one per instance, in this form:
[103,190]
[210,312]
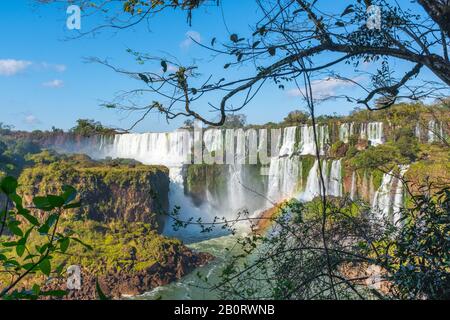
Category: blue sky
[45,81]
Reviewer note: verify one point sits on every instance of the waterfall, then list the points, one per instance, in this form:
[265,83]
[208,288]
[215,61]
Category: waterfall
[307,145]
[353,186]
[170,149]
[284,170]
[236,191]
[382,200]
[373,132]
[345,131]
[333,182]
[312,188]
[235,180]
[398,198]
[288,145]
[213,140]
[387,205]
[418,132]
[431,131]
[284,175]
[435,131]
[283,166]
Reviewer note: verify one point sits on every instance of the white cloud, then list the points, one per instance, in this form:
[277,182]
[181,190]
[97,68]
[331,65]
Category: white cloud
[53,67]
[325,88]
[191,36]
[172,68]
[54,84]
[10,67]
[31,120]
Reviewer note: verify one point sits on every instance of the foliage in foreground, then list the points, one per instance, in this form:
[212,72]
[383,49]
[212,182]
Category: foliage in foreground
[20,257]
[368,258]
[418,260]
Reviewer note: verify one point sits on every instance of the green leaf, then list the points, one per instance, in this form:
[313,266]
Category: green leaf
[56,201]
[9,185]
[51,219]
[28,266]
[42,203]
[272,51]
[33,220]
[234,37]
[17,200]
[36,289]
[54,293]
[72,205]
[143,77]
[45,266]
[100,293]
[20,250]
[348,10]
[14,228]
[64,244]
[82,243]
[43,248]
[44,229]
[164,65]
[69,194]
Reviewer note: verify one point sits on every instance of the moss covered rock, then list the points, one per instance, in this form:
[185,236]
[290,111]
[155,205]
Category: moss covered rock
[107,191]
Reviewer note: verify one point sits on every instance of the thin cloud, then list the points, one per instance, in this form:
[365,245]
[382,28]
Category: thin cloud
[11,67]
[54,84]
[53,66]
[325,88]
[31,120]
[191,38]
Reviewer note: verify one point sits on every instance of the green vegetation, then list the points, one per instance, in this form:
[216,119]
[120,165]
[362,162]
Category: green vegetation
[123,190]
[89,128]
[295,118]
[116,246]
[22,257]
[418,257]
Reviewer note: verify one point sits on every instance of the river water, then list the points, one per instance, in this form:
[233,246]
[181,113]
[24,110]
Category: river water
[191,287]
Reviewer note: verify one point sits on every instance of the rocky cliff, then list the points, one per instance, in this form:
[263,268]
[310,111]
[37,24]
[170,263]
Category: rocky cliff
[107,191]
[119,222]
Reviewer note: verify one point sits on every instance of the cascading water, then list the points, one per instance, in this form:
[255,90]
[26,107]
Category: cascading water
[284,170]
[353,186]
[170,149]
[435,131]
[373,132]
[333,181]
[398,198]
[288,141]
[382,200]
[345,131]
[307,146]
[386,204]
[284,177]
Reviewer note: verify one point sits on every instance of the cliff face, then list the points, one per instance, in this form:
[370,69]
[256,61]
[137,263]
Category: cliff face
[127,259]
[120,219]
[128,193]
